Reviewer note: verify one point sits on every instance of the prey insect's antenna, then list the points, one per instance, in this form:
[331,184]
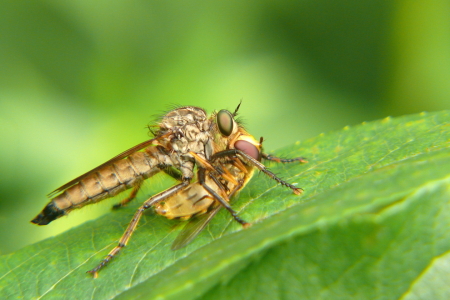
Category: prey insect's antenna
[237,108]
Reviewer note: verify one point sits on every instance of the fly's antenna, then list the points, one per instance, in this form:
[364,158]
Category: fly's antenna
[261,140]
[237,108]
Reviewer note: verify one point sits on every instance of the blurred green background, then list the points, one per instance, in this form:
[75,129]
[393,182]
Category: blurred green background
[80,80]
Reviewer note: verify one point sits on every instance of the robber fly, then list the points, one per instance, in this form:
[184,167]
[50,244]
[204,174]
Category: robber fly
[217,148]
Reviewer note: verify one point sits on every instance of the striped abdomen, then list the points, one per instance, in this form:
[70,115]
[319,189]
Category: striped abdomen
[195,199]
[192,200]
[104,182]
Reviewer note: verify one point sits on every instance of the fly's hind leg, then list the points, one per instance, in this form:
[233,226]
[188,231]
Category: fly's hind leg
[172,172]
[132,195]
[132,226]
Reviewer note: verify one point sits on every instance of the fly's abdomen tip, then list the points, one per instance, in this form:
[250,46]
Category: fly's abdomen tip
[48,214]
[40,220]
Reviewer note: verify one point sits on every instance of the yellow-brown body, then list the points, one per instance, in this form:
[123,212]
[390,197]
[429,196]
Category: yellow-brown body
[180,131]
[195,199]
[217,148]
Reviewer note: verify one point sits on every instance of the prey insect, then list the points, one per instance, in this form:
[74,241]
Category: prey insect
[213,158]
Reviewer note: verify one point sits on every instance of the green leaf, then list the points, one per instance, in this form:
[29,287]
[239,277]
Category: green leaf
[373,222]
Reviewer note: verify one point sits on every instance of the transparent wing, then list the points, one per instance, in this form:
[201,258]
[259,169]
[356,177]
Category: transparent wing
[197,224]
[193,228]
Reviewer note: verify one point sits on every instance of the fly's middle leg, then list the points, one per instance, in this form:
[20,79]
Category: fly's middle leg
[132,226]
[170,171]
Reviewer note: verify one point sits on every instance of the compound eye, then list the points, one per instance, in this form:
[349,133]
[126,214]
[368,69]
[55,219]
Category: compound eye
[248,149]
[225,122]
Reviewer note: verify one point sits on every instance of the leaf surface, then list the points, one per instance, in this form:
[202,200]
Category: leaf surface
[372,223]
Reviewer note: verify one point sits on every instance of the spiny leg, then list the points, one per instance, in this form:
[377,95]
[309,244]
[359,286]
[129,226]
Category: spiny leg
[250,160]
[283,160]
[201,180]
[132,226]
[277,159]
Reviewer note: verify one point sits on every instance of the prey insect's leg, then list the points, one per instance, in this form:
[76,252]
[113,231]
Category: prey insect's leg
[224,203]
[128,199]
[250,160]
[283,160]
[132,226]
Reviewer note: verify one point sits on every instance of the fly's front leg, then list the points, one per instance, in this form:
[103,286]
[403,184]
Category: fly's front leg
[223,202]
[251,161]
[132,226]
